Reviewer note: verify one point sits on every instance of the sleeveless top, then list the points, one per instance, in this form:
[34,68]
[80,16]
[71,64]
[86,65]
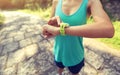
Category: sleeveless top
[69,49]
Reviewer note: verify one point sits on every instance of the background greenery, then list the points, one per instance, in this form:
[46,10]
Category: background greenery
[43,13]
[2,19]
[115,41]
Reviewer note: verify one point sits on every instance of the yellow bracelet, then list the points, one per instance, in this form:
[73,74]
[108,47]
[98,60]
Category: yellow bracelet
[62,28]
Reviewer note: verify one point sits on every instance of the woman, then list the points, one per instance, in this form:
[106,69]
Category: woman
[68,47]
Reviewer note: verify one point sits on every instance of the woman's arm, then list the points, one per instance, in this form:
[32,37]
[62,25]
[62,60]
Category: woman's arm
[101,28]
[54,4]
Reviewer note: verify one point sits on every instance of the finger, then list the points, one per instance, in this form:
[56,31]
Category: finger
[53,18]
[54,22]
[49,36]
[58,20]
[44,32]
[50,22]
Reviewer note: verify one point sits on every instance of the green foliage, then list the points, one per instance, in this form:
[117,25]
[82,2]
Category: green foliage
[2,19]
[43,13]
[115,41]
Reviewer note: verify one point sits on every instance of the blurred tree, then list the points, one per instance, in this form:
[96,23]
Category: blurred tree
[33,4]
[45,3]
[19,3]
[112,7]
[4,4]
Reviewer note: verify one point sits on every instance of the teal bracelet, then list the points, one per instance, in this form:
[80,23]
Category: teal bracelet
[62,28]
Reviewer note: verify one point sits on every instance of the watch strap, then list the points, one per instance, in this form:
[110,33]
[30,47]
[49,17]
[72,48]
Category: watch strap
[62,28]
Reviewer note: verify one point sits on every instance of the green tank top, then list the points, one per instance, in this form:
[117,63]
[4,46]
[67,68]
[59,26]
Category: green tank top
[69,49]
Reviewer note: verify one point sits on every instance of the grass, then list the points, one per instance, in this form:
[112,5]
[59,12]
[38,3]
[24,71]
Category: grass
[43,13]
[112,42]
[2,19]
[115,41]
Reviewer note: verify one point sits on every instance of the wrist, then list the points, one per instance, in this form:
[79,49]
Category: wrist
[58,31]
[62,28]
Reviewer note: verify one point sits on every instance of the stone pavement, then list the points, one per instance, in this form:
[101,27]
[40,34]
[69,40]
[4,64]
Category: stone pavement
[24,51]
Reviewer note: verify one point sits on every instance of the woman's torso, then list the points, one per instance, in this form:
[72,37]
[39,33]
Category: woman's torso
[69,49]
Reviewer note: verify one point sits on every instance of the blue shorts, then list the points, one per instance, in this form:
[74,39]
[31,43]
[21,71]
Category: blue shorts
[73,69]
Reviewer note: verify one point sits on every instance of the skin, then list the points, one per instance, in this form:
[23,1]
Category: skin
[101,28]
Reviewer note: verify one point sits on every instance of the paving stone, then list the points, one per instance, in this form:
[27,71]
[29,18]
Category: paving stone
[1,48]
[10,70]
[115,63]
[2,38]
[11,35]
[25,42]
[1,72]
[35,29]
[30,30]
[89,71]
[10,28]
[4,33]
[44,45]
[19,37]
[3,62]
[3,30]
[30,34]
[37,32]
[10,47]
[94,59]
[22,54]
[36,38]
[19,33]
[31,50]
[27,68]
[16,57]
[24,27]
[107,71]
[6,41]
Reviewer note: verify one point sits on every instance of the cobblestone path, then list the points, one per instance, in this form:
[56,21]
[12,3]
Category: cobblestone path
[24,51]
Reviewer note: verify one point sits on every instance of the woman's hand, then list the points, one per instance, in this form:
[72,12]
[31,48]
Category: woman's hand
[50,31]
[54,21]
